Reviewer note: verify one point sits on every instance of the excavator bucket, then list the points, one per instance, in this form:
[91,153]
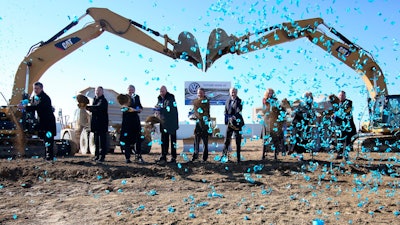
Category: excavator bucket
[188,49]
[219,44]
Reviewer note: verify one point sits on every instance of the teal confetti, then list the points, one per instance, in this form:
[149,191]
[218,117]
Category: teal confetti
[49,134]
[171,209]
[224,159]
[202,204]
[152,192]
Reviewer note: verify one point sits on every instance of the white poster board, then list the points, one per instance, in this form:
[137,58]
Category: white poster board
[216,91]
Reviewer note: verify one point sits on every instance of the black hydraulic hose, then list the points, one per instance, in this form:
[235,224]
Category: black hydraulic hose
[268,29]
[343,38]
[61,32]
[144,28]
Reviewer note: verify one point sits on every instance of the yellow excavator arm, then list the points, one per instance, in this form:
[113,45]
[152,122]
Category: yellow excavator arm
[44,54]
[349,53]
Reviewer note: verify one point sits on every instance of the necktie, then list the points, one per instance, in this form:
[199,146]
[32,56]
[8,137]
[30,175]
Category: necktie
[232,103]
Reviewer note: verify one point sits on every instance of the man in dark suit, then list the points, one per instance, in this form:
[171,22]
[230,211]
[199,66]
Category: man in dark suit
[343,117]
[99,123]
[167,110]
[234,122]
[304,119]
[131,128]
[201,111]
[46,127]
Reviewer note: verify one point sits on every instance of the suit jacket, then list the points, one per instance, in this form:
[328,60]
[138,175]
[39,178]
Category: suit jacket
[130,120]
[233,108]
[99,109]
[168,112]
[344,117]
[273,115]
[304,116]
[135,103]
[46,120]
[201,109]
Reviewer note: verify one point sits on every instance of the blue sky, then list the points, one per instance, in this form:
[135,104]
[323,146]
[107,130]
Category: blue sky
[290,68]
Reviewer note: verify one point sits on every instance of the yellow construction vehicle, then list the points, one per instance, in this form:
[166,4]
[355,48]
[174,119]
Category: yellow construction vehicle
[382,131]
[16,134]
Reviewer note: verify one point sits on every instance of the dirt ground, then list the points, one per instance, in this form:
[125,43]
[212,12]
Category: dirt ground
[77,190]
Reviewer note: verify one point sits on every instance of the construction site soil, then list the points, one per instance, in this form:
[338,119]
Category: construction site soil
[292,190]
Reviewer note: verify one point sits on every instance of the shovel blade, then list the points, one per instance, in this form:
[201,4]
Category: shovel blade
[188,49]
[219,44]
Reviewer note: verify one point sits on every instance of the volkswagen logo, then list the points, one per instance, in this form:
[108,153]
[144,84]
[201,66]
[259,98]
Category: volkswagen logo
[193,87]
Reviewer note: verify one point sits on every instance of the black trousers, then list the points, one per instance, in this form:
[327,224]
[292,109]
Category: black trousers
[135,141]
[48,138]
[49,146]
[165,136]
[345,141]
[197,139]
[228,138]
[100,140]
[276,141]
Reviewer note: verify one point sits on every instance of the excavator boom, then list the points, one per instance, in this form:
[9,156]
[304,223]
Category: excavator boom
[44,54]
[344,50]
[17,131]
[36,63]
[383,124]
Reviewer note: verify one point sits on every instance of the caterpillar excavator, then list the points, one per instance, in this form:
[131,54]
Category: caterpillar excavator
[17,137]
[381,132]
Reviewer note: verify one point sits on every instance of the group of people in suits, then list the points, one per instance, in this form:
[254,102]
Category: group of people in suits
[339,118]
[273,112]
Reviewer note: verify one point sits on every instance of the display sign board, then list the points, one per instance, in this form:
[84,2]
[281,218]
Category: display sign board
[216,91]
